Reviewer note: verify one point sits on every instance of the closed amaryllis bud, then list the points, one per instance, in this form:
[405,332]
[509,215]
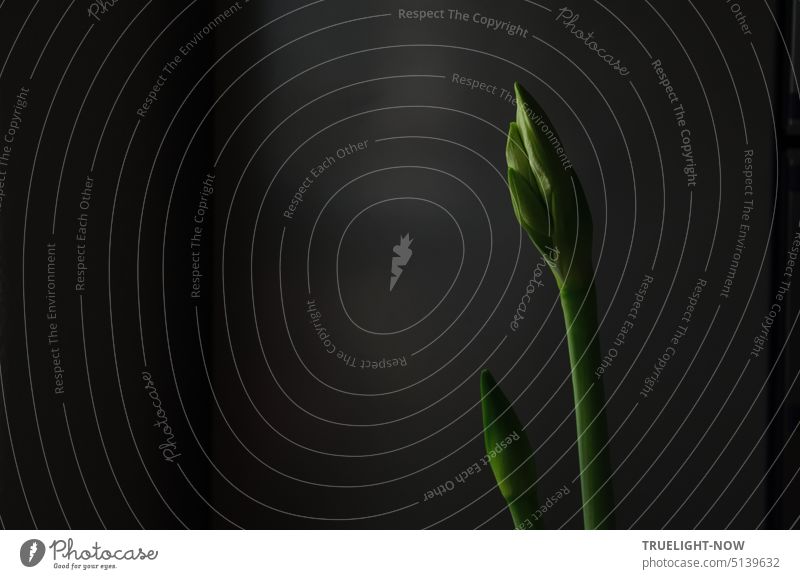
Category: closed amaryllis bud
[546,194]
[509,454]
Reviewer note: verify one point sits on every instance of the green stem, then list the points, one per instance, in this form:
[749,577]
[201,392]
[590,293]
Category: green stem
[523,511]
[580,315]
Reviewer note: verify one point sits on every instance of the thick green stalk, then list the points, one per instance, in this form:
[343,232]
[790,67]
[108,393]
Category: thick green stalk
[509,454]
[580,316]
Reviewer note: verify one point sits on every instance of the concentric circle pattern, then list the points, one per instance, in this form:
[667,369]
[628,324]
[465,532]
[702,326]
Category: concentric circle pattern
[255,256]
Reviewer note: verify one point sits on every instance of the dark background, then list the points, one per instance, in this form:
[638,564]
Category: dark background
[274,432]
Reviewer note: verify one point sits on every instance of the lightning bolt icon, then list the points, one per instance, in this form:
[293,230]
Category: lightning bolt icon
[402,256]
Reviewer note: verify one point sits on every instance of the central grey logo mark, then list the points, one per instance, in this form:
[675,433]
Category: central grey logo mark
[403,255]
[32,552]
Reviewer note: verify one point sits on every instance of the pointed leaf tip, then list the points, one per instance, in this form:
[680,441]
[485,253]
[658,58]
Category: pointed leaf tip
[509,452]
